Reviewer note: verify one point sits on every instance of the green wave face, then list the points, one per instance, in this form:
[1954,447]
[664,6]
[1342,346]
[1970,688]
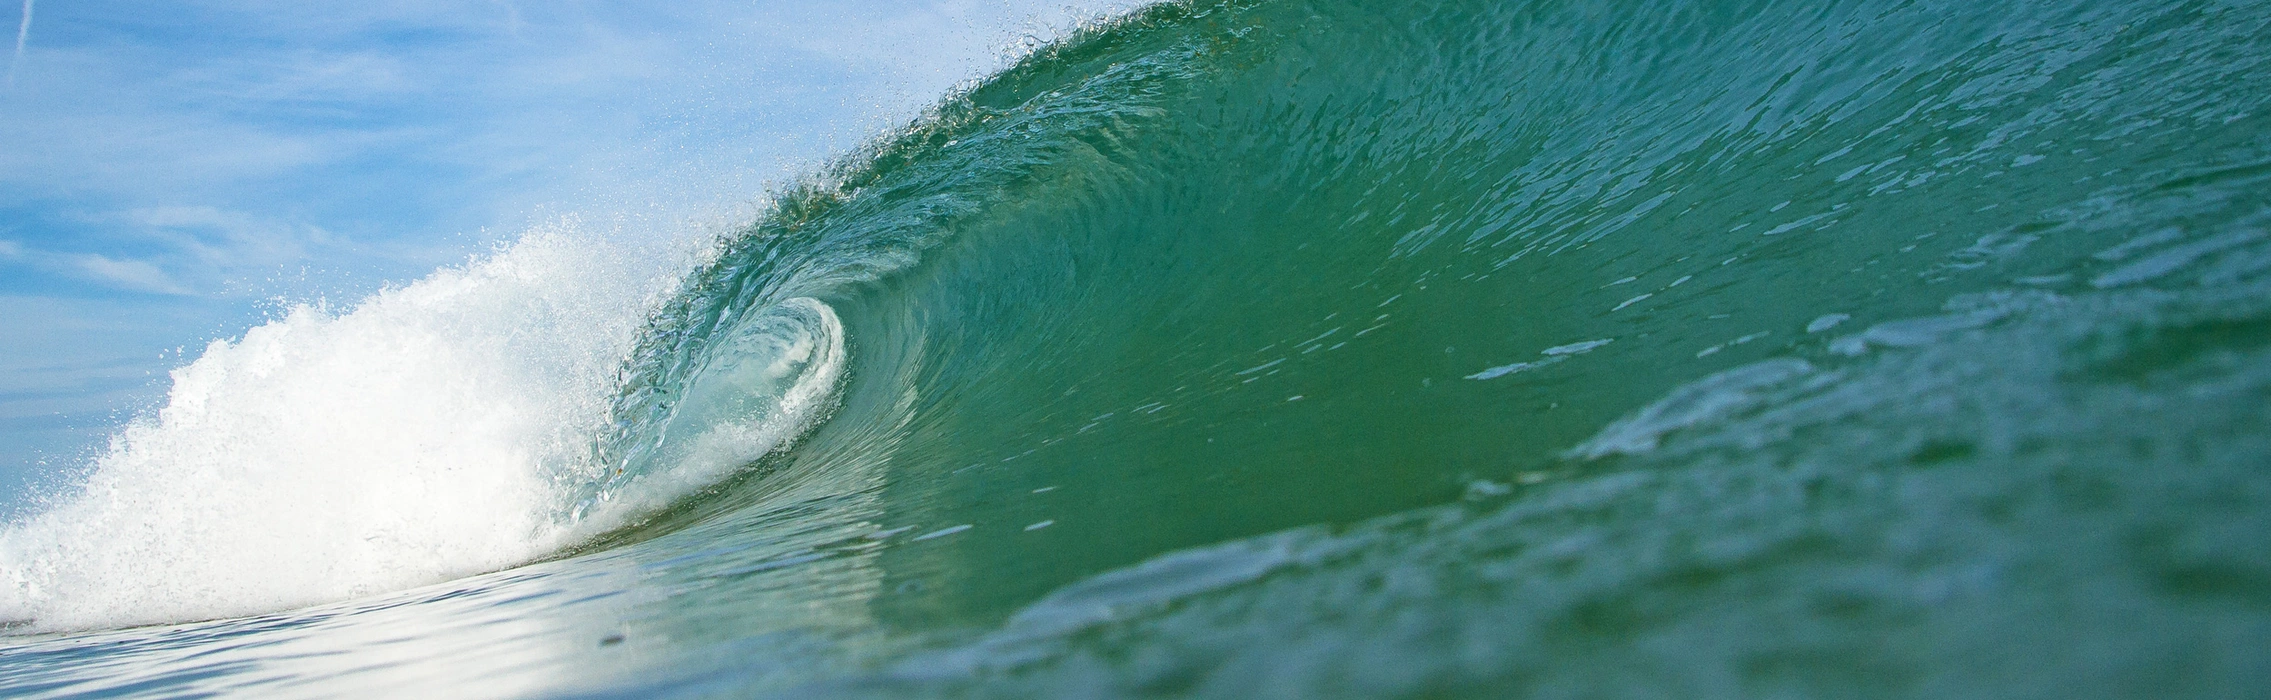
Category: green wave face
[1322,348]
[1863,345]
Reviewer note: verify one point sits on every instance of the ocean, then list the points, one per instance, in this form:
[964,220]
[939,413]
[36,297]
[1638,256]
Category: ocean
[1300,349]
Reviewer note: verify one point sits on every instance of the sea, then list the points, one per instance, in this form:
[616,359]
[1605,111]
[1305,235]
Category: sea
[1293,349]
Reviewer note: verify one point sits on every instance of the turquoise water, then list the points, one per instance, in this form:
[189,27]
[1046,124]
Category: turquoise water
[1420,349]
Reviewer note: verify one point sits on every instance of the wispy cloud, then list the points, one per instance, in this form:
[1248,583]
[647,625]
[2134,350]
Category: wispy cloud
[137,275]
[209,252]
[119,274]
[221,238]
[470,113]
[290,133]
[23,35]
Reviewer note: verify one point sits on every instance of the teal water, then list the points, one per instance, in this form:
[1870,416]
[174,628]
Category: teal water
[1425,349]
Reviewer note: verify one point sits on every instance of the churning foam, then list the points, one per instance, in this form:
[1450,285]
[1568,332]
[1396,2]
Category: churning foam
[420,436]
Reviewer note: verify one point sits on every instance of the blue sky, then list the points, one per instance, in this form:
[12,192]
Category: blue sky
[171,172]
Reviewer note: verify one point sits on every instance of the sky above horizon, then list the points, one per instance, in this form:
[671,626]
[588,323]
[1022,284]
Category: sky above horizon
[174,174]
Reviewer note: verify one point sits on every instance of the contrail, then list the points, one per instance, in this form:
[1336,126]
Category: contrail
[23,32]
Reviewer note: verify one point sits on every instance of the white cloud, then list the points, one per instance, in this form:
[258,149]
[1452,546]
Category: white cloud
[136,275]
[216,253]
[266,134]
[121,274]
[23,37]
[224,239]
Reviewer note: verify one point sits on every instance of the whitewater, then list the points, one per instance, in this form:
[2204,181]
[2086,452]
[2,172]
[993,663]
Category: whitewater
[1292,348]
[419,436]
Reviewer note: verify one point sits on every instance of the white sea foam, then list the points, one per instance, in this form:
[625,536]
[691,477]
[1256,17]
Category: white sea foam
[413,438]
